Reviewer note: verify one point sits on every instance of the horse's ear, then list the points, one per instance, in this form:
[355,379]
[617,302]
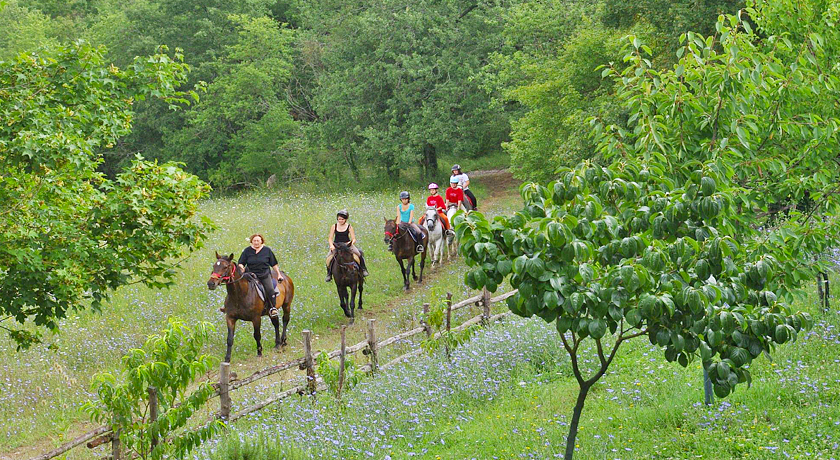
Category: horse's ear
[231,256]
[385,219]
[217,255]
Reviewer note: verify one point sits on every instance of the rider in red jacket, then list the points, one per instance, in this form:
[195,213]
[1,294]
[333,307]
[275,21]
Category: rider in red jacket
[437,201]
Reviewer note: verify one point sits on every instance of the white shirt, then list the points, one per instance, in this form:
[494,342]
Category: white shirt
[462,180]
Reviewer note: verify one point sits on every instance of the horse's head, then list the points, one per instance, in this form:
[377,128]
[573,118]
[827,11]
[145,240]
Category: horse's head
[223,271]
[431,217]
[343,252]
[391,230]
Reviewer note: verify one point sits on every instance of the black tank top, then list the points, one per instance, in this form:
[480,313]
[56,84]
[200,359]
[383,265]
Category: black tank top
[341,237]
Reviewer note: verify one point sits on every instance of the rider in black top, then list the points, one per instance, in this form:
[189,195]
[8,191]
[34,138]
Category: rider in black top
[346,236]
[260,260]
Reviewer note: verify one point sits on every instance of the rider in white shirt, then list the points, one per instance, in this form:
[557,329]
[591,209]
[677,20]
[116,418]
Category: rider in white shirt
[464,183]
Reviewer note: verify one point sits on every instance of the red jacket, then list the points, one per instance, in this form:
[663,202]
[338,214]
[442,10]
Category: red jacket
[454,195]
[437,202]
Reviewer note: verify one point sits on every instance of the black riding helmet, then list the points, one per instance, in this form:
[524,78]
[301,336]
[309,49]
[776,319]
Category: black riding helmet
[343,213]
[405,194]
[456,167]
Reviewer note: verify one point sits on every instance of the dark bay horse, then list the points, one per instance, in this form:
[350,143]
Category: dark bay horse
[347,274]
[244,303]
[405,248]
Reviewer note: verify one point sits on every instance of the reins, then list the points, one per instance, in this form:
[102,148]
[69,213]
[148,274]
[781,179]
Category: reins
[227,279]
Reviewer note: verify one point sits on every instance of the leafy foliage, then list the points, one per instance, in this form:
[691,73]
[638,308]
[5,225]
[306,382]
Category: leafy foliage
[171,363]
[394,81]
[436,319]
[328,370]
[673,239]
[69,235]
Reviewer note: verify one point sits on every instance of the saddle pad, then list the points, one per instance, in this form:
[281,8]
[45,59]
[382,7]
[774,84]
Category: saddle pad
[255,283]
[330,257]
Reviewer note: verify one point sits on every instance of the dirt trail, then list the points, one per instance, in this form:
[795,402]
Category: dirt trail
[499,185]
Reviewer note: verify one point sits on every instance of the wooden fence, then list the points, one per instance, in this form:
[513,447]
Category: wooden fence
[370,346]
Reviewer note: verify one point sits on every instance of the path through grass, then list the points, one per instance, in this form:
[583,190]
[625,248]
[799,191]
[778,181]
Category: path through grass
[43,390]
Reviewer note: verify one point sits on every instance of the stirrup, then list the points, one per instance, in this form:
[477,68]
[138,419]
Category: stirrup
[273,312]
[328,278]
[419,248]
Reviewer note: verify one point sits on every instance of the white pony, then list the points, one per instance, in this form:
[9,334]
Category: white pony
[437,237]
[451,209]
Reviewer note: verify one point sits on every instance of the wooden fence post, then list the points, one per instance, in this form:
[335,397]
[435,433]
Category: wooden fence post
[153,412]
[448,325]
[448,311]
[224,391]
[424,322]
[371,337]
[485,303]
[341,358]
[115,446]
[308,362]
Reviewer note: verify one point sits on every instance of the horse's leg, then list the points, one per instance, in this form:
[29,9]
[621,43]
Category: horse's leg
[275,321]
[258,334]
[404,273]
[422,262]
[287,313]
[231,327]
[361,288]
[353,300]
[342,296]
[413,268]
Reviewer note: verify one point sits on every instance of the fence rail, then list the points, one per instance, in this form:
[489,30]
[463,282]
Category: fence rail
[370,347]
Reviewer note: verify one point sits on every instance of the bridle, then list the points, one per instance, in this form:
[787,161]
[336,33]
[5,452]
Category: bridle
[396,235]
[227,279]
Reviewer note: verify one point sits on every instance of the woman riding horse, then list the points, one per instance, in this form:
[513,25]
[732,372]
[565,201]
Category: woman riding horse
[464,183]
[259,259]
[342,232]
[405,214]
[434,200]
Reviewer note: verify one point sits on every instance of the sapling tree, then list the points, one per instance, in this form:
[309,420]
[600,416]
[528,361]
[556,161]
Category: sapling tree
[172,364]
[670,240]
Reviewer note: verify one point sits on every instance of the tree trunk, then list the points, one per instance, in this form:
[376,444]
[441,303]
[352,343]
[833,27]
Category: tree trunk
[429,161]
[573,428]
[826,292]
[820,293]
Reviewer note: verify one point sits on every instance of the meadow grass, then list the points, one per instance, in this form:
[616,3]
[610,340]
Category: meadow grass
[509,393]
[43,390]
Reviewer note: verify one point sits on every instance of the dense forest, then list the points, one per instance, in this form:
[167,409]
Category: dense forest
[369,90]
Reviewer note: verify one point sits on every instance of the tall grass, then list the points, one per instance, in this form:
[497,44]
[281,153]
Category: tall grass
[509,394]
[43,390]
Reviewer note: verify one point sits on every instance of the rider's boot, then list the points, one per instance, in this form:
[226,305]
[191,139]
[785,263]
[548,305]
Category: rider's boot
[272,308]
[363,266]
[329,276]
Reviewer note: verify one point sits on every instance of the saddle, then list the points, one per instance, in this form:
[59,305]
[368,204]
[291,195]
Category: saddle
[254,283]
[331,256]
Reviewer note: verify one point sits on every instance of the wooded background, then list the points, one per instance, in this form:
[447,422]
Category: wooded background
[376,89]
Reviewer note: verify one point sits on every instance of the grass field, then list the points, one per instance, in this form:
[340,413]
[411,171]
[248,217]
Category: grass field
[43,390]
[509,393]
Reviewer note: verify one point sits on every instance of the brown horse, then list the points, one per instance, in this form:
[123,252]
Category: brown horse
[243,302]
[347,274]
[404,247]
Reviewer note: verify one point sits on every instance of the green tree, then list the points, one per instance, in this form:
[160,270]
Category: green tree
[170,365]
[69,235]
[240,130]
[394,84]
[22,29]
[673,240]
